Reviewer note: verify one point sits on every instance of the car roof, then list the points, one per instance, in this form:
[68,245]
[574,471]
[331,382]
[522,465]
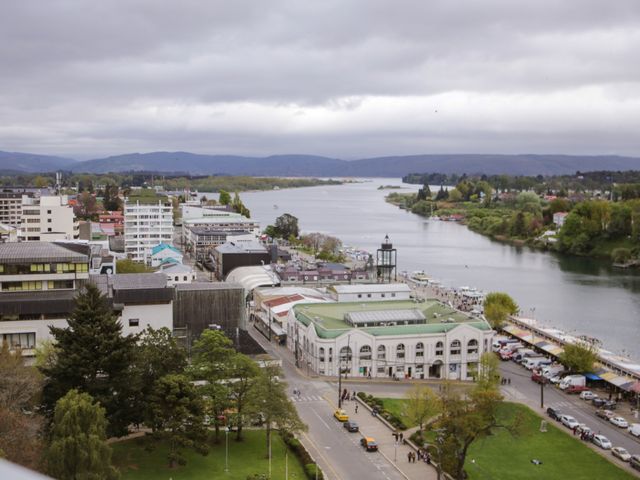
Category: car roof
[369,439]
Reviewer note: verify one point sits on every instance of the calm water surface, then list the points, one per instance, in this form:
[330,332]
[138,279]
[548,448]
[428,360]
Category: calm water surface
[575,294]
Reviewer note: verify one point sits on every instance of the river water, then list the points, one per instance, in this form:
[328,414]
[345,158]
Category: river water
[583,296]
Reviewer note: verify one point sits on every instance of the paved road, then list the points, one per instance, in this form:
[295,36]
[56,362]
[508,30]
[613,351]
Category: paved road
[523,390]
[337,452]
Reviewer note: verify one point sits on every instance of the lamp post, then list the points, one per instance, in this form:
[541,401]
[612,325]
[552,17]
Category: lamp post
[226,452]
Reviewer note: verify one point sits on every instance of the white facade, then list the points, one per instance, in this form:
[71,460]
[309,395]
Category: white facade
[135,318]
[10,208]
[179,273]
[370,292]
[146,225]
[47,218]
[159,255]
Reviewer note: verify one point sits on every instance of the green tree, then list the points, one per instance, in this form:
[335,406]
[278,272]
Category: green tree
[19,384]
[579,357]
[497,308]
[243,373]
[422,404]
[224,198]
[442,194]
[210,363]
[519,228]
[621,255]
[78,448]
[94,357]
[488,372]
[455,195]
[178,417]
[127,265]
[269,399]
[528,202]
[287,226]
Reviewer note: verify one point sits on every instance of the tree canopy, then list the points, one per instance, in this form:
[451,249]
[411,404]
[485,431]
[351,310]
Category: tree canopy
[497,308]
[579,357]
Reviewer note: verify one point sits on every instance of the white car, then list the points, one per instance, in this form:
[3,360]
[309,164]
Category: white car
[588,395]
[582,428]
[555,379]
[619,422]
[602,442]
[621,453]
[569,421]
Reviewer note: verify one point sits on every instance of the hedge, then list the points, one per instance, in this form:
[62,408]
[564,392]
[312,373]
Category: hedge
[375,402]
[303,455]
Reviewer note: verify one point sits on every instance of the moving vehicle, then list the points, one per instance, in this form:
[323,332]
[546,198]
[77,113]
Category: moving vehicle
[369,444]
[573,381]
[610,405]
[634,429]
[341,415]
[351,426]
[576,389]
[619,422]
[601,441]
[598,402]
[554,413]
[568,421]
[621,453]
[606,414]
[588,395]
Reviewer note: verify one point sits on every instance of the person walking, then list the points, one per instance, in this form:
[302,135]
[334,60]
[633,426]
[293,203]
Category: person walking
[409,457]
[356,408]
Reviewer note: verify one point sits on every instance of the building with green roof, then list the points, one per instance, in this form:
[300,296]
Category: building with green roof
[405,338]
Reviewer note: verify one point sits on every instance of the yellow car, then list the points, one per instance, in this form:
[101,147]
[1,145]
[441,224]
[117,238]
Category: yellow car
[341,415]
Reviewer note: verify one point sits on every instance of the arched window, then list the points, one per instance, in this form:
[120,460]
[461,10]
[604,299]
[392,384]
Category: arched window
[365,352]
[345,354]
[439,349]
[382,352]
[330,354]
[321,354]
[419,349]
[472,346]
[400,350]
[455,347]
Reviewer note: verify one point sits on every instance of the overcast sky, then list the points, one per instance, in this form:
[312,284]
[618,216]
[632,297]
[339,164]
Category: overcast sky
[340,78]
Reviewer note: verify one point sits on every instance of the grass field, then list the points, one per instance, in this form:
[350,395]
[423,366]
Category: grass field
[397,406]
[505,457]
[245,458]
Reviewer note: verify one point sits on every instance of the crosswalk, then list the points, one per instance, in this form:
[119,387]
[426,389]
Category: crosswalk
[306,398]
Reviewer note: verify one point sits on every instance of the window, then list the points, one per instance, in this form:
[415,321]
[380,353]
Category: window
[381,369]
[382,352]
[49,229]
[59,284]
[455,347]
[359,295]
[48,220]
[185,278]
[472,347]
[176,278]
[21,286]
[48,212]
[345,354]
[331,354]
[368,295]
[134,322]
[382,295]
[419,349]
[439,349]
[321,353]
[19,340]
[400,350]
[365,352]
[393,294]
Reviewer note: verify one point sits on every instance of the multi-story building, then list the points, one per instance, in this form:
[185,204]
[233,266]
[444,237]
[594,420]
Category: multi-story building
[202,240]
[47,218]
[10,208]
[148,221]
[397,339]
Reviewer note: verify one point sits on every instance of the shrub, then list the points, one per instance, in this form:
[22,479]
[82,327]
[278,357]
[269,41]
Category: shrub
[310,470]
[258,476]
[301,453]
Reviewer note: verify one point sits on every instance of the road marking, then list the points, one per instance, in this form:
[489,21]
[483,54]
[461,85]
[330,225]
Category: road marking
[321,419]
[322,455]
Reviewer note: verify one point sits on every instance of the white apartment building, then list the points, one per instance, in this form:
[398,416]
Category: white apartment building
[148,221]
[10,208]
[47,219]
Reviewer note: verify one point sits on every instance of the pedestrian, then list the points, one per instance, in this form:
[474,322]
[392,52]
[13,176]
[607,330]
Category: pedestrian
[353,395]
[409,457]
[428,458]
[356,408]
[401,436]
[509,380]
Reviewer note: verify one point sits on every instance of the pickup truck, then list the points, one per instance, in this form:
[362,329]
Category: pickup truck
[576,389]
[539,378]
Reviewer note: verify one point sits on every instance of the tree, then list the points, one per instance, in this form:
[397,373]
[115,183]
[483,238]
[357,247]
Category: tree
[270,399]
[621,255]
[497,308]
[157,355]
[287,226]
[528,202]
[94,357]
[20,438]
[110,199]
[127,265]
[40,182]
[224,198]
[455,195]
[579,357]
[210,362]
[178,417]
[78,447]
[442,194]
[422,404]
[488,374]
[239,207]
[243,373]
[87,205]
[19,384]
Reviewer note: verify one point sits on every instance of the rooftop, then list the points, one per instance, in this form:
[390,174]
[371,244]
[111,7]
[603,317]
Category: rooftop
[329,318]
[138,281]
[209,286]
[372,288]
[34,252]
[164,246]
[241,247]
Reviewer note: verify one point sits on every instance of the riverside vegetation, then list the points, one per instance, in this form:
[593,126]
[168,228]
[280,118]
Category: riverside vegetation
[599,223]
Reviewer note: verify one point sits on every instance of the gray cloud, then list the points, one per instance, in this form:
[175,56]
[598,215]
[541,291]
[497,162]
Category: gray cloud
[345,79]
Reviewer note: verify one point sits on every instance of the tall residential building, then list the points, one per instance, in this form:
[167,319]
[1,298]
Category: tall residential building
[148,221]
[47,218]
[10,208]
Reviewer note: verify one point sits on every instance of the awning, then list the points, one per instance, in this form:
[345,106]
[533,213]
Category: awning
[592,376]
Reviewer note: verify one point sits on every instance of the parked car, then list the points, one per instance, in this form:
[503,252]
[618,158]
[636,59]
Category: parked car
[576,389]
[598,402]
[351,426]
[606,414]
[369,444]
[634,429]
[635,462]
[568,421]
[621,453]
[610,405]
[601,441]
[538,378]
[619,422]
[341,415]
[588,395]
[554,413]
[556,379]
[583,428]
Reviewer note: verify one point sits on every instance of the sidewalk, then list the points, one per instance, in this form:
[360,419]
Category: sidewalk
[396,454]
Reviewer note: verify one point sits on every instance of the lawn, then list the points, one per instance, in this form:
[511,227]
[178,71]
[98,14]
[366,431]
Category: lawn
[504,457]
[245,458]
[397,406]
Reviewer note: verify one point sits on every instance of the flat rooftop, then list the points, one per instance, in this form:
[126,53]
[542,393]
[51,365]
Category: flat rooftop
[329,318]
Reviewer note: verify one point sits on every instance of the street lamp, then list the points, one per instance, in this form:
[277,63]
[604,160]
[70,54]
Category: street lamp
[226,453]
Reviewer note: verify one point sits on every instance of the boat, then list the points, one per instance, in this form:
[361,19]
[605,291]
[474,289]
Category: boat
[420,278]
[275,206]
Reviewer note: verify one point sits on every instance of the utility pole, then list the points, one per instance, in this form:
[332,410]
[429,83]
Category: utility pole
[542,394]
[339,381]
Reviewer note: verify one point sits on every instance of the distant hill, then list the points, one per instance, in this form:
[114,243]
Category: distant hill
[317,166]
[15,162]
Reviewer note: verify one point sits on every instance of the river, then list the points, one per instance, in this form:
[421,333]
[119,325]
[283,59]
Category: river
[583,296]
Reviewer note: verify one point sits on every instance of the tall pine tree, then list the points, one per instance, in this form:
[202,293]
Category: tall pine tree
[94,357]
